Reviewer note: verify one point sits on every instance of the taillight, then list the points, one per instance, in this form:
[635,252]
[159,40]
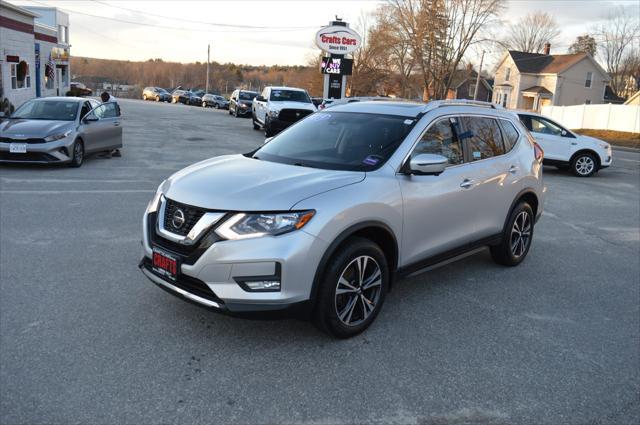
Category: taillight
[538,152]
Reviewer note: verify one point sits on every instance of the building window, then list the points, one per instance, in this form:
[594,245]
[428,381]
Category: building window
[588,82]
[20,77]
[587,102]
[504,100]
[472,89]
[507,74]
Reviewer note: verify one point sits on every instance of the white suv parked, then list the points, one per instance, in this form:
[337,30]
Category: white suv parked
[278,107]
[565,149]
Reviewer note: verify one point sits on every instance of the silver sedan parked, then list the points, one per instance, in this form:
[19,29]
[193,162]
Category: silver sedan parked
[60,130]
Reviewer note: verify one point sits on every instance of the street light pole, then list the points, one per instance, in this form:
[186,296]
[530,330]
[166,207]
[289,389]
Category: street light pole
[207,83]
[475,92]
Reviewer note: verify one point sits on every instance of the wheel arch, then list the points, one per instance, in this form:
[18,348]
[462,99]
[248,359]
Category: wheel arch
[589,151]
[375,231]
[530,197]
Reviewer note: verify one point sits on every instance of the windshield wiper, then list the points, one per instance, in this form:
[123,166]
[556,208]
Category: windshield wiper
[302,164]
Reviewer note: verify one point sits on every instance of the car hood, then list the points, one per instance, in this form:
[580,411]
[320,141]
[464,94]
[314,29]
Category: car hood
[245,102]
[591,141]
[238,183]
[293,105]
[27,129]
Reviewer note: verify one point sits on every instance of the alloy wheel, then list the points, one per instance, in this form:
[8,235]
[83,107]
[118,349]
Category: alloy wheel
[521,234]
[358,290]
[585,165]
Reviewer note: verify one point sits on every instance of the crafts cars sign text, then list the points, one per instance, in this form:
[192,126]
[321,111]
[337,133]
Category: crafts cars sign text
[338,40]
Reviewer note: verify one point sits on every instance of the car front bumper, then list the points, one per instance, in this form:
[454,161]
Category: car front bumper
[58,152]
[216,278]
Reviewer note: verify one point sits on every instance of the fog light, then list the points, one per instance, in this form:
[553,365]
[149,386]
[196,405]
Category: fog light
[263,285]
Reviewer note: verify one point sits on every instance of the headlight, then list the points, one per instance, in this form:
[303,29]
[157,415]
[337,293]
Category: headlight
[274,114]
[154,204]
[242,105]
[605,146]
[244,226]
[59,136]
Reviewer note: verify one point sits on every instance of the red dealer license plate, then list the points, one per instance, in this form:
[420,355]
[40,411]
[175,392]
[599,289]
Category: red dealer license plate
[165,265]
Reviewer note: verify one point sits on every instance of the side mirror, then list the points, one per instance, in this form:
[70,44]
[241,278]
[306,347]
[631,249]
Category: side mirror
[564,133]
[260,99]
[427,164]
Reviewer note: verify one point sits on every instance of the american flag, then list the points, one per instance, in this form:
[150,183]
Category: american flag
[51,68]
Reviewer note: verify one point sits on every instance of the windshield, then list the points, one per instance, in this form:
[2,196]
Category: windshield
[160,90]
[289,95]
[57,110]
[338,141]
[245,95]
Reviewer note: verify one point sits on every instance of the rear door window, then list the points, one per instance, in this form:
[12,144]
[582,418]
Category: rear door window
[482,137]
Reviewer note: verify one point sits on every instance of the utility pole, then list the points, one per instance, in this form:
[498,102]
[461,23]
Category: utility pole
[207,83]
[475,92]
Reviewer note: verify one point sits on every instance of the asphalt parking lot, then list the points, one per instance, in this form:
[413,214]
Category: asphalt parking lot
[85,338]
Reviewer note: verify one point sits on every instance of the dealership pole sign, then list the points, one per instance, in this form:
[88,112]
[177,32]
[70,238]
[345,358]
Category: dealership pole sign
[336,40]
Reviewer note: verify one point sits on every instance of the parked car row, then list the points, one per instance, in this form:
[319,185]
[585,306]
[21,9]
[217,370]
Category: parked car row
[187,97]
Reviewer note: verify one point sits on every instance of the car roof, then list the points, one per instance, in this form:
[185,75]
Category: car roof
[413,109]
[67,98]
[404,109]
[286,88]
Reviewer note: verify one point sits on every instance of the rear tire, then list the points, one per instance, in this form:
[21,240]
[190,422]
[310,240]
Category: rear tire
[78,154]
[516,237]
[584,165]
[144,97]
[157,98]
[353,288]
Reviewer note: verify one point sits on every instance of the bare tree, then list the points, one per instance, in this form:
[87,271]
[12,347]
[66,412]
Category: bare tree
[439,33]
[531,33]
[584,44]
[616,39]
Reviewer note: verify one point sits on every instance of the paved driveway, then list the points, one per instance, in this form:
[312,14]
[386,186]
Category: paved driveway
[85,338]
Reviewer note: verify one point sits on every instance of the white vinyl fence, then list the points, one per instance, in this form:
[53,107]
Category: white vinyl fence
[597,117]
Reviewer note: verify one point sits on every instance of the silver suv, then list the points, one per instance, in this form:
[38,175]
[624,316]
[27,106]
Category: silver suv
[328,214]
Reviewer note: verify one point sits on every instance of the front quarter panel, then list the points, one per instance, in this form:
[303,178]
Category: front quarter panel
[375,199]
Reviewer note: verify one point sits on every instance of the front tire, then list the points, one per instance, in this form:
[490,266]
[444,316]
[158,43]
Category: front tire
[78,154]
[268,131]
[584,165]
[353,288]
[516,237]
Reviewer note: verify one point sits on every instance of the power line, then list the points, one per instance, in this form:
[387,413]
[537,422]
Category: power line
[144,24]
[217,24]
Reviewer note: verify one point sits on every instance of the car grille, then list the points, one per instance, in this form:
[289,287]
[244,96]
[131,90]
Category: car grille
[293,115]
[189,253]
[27,157]
[10,140]
[191,217]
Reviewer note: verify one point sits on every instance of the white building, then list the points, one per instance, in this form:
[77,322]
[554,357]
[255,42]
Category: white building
[29,36]
[532,80]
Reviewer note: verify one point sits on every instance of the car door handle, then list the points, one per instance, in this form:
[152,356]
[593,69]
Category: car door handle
[466,183]
[117,124]
[513,169]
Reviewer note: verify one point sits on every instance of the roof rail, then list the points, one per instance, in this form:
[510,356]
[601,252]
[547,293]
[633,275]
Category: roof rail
[459,102]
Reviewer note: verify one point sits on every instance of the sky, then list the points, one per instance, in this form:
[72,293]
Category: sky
[262,32]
